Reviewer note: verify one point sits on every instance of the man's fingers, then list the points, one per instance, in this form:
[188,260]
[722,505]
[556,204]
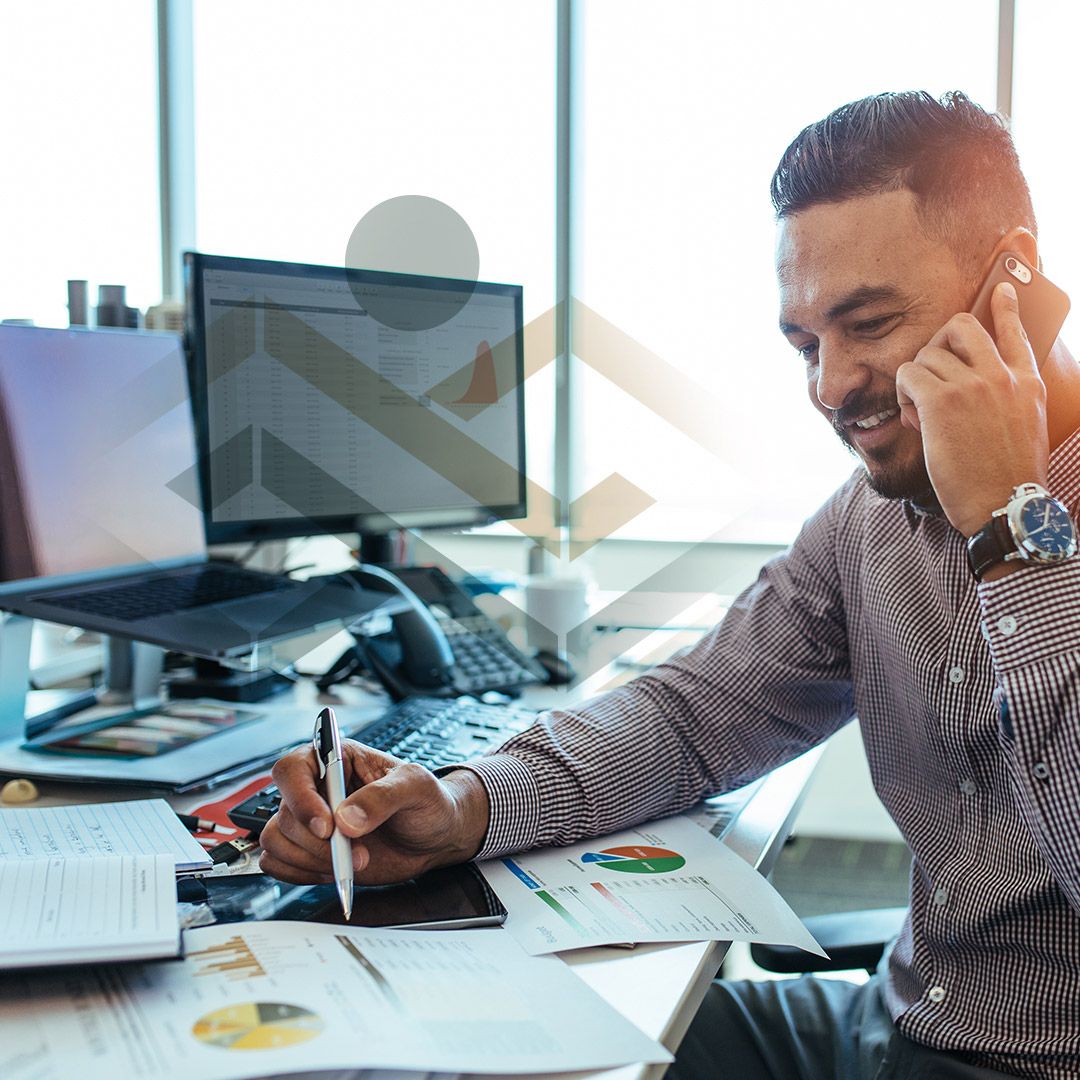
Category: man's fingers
[365,764]
[283,871]
[403,787]
[913,382]
[966,338]
[1009,332]
[296,777]
[943,363]
[298,833]
[281,846]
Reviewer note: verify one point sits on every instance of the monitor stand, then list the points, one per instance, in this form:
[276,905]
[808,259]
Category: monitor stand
[376,548]
[209,679]
[133,677]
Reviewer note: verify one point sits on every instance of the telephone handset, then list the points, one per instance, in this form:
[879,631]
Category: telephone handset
[416,657]
[440,642]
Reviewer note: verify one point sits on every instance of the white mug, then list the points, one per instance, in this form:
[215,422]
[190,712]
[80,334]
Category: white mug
[555,606]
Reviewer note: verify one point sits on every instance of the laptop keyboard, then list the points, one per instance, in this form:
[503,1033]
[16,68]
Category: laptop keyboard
[166,593]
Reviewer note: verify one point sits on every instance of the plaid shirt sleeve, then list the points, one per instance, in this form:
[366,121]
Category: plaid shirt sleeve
[1032,621]
[770,681]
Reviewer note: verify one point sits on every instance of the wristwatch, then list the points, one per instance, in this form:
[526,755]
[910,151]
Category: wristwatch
[1033,527]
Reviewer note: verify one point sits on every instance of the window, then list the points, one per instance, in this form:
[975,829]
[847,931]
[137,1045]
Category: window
[680,118]
[80,180]
[307,118]
[1045,99]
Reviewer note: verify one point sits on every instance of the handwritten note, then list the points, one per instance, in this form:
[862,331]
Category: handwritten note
[139,827]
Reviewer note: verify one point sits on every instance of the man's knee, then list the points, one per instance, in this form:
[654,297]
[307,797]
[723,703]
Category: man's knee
[789,1030]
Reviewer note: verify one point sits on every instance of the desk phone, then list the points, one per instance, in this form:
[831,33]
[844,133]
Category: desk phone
[442,644]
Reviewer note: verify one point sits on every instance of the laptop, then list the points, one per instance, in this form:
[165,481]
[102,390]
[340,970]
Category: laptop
[101,523]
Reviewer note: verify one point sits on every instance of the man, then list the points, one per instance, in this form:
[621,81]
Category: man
[891,210]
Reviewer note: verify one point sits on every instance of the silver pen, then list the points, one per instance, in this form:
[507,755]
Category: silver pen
[327,744]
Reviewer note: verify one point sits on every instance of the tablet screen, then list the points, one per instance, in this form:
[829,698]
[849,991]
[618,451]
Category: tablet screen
[447,898]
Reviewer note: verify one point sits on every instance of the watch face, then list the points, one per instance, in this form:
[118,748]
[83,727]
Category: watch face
[1047,530]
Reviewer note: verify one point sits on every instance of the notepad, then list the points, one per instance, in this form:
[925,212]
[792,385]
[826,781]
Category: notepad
[139,827]
[87,909]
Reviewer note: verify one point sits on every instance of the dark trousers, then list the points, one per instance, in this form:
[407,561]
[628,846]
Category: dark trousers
[806,1029]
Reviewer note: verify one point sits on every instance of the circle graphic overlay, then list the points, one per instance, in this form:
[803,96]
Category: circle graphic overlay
[257,1025]
[636,859]
[414,234]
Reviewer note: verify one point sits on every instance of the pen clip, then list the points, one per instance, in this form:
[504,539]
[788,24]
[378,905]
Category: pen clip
[326,741]
[316,745]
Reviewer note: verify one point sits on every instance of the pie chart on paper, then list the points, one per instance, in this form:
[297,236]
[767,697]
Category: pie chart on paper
[257,1025]
[636,859]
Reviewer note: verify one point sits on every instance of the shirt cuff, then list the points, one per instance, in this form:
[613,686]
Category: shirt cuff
[513,801]
[1032,615]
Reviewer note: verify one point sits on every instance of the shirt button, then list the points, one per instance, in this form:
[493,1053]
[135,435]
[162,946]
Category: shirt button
[937,993]
[1041,770]
[956,674]
[1006,625]
[941,896]
[967,787]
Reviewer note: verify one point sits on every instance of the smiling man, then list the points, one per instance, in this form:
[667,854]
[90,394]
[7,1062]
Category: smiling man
[934,596]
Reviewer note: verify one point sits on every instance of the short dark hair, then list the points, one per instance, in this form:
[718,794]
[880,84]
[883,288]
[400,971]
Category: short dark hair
[955,157]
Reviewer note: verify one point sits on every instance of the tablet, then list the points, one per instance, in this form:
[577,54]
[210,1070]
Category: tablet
[449,898]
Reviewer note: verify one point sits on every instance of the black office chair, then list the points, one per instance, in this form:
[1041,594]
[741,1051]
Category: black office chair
[853,939]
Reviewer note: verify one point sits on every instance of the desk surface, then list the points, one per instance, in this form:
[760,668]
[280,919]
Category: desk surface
[657,987]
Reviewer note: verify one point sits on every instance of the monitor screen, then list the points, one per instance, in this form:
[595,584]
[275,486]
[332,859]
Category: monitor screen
[97,454]
[338,400]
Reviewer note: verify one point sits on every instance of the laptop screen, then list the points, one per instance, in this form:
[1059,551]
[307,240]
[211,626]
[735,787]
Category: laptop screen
[97,454]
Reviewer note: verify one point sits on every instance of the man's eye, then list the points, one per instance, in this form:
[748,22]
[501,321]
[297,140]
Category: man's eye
[807,351]
[881,325]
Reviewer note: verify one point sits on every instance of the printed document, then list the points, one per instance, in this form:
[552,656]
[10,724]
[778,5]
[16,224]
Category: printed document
[139,827]
[668,880]
[83,910]
[260,998]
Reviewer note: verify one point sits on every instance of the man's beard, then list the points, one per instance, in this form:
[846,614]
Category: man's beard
[891,480]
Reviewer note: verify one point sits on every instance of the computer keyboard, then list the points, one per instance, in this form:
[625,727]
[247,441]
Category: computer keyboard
[167,593]
[431,731]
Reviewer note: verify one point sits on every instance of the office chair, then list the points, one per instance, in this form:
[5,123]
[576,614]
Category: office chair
[853,939]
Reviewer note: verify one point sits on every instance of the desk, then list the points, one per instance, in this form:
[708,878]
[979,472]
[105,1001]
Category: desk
[657,987]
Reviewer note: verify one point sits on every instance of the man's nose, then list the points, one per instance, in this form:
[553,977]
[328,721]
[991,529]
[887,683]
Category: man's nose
[840,373]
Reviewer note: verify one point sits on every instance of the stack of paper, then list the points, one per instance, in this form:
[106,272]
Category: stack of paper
[84,910]
[272,997]
[80,884]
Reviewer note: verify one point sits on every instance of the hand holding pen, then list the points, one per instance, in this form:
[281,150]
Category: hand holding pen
[399,819]
[328,753]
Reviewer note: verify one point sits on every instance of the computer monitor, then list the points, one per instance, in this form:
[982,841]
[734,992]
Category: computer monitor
[96,456]
[335,400]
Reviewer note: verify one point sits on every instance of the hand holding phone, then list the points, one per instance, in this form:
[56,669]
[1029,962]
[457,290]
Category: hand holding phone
[978,398]
[1043,306]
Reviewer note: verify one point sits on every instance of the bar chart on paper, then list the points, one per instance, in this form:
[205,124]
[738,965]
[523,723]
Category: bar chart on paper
[232,959]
